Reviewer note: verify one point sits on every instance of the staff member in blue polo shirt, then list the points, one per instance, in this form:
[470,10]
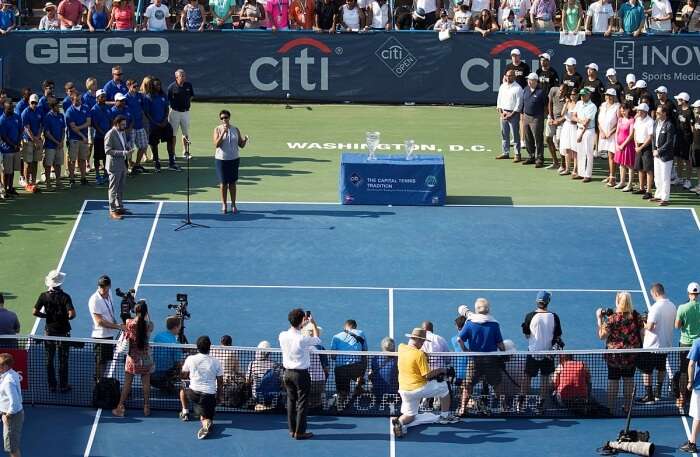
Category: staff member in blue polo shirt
[156,111]
[31,142]
[101,120]
[10,134]
[134,104]
[54,138]
[534,101]
[180,94]
[115,85]
[78,123]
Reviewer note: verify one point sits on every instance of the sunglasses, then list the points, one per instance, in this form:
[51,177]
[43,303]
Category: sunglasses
[223,118]
[33,103]
[117,74]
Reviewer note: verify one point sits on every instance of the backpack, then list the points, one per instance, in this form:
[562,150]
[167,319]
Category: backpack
[270,383]
[106,394]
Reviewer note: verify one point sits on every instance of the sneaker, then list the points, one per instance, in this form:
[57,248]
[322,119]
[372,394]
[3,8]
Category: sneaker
[552,166]
[449,419]
[396,427]
[184,417]
[503,157]
[687,185]
[202,433]
[22,181]
[646,399]
[688,447]
[174,167]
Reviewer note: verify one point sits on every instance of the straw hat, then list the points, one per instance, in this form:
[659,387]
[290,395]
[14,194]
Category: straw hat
[417,334]
[54,279]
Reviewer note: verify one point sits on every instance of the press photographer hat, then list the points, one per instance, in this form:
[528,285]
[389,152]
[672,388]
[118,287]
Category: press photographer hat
[694,288]
[417,334]
[54,279]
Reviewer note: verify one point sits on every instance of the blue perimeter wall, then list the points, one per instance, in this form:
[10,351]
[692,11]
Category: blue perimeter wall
[375,67]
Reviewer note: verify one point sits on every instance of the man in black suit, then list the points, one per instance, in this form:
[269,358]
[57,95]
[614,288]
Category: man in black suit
[663,141]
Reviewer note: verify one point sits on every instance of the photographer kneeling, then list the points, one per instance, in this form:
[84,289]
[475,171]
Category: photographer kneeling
[168,362]
[206,380]
[416,382]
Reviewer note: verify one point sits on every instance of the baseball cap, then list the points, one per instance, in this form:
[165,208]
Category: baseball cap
[533,76]
[611,91]
[543,297]
[694,288]
[592,66]
[545,55]
[515,51]
[661,90]
[584,91]
[34,98]
[641,84]
[610,72]
[630,78]
[642,107]
[100,92]
[570,61]
[696,104]
[682,96]
[119,96]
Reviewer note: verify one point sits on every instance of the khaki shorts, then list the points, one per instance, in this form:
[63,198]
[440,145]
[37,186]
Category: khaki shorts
[77,150]
[53,157]
[11,162]
[12,432]
[181,120]
[30,152]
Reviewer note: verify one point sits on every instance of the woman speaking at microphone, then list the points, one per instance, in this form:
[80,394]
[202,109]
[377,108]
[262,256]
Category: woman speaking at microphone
[227,140]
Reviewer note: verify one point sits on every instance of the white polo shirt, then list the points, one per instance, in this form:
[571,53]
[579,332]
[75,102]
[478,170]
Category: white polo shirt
[105,308]
[663,315]
[643,129]
[295,349]
[203,370]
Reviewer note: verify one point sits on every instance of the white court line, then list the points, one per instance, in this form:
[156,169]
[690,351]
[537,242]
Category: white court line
[695,216]
[65,253]
[391,313]
[402,289]
[144,258]
[392,440]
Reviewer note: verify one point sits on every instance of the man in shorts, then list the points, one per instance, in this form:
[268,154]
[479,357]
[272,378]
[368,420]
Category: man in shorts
[416,382]
[206,381]
[31,142]
[180,94]
[54,138]
[10,135]
[78,121]
[644,161]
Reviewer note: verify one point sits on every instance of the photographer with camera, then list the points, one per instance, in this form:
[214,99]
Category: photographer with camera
[56,307]
[104,323]
[348,367]
[168,363]
[416,382]
[621,328]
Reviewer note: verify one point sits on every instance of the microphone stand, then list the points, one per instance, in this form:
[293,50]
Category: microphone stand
[187,223]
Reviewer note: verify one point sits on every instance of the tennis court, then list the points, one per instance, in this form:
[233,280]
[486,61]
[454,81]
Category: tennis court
[387,267]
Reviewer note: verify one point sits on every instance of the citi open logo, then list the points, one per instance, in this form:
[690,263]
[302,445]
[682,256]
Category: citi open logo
[479,74]
[305,64]
[396,57]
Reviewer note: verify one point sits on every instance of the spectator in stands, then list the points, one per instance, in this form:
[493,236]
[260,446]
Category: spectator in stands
[477,6]
[9,323]
[542,329]
[688,321]
[632,17]
[301,14]
[115,85]
[180,94]
[155,107]
[139,360]
[253,14]
[54,141]
[350,18]
[660,15]
[403,17]
[277,13]
[644,161]
[572,16]
[78,122]
[32,147]
[416,382]
[192,18]
[542,15]
[663,141]
[607,128]
[613,83]
[572,80]
[229,360]
[690,17]
[122,15]
[318,370]
[378,14]
[134,104]
[157,15]
[100,120]
[433,341]
[625,148]
[222,11]
[70,13]
[98,16]
[593,84]
[11,405]
[206,380]
[384,371]
[462,19]
[534,105]
[599,18]
[104,323]
[257,370]
[509,105]
[572,384]
[10,134]
[621,329]
[348,368]
[585,115]
[430,9]
[658,333]
[693,384]
[631,93]
[444,23]
[50,20]
[168,361]
[7,17]
[684,139]
[520,10]
[485,23]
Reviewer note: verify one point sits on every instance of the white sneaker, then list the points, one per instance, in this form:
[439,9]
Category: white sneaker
[449,419]
[22,181]
[686,184]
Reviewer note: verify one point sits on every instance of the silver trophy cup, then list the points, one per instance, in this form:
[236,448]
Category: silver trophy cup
[372,140]
[409,146]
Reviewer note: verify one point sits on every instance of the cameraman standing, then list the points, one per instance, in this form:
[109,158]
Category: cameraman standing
[104,323]
[296,348]
[56,307]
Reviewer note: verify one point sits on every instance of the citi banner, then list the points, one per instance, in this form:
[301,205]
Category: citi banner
[383,67]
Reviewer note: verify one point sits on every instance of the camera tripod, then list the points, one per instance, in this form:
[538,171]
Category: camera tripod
[187,223]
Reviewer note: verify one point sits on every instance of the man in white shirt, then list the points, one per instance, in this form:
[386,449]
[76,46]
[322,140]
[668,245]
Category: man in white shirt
[433,343]
[509,105]
[584,115]
[206,380]
[157,17]
[660,15]
[644,161]
[658,333]
[599,18]
[296,348]
[104,323]
[10,405]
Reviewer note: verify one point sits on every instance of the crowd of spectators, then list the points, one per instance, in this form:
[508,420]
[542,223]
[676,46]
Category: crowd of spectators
[481,16]
[581,118]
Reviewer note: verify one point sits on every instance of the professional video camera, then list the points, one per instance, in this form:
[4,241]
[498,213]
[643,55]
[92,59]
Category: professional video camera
[128,303]
[182,313]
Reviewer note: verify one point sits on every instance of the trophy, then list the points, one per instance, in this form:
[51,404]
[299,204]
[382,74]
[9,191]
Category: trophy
[372,141]
[409,146]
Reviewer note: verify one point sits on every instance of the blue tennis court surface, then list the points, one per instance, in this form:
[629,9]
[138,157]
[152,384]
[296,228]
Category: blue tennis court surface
[386,267]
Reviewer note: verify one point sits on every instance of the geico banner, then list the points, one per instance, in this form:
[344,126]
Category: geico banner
[368,67]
